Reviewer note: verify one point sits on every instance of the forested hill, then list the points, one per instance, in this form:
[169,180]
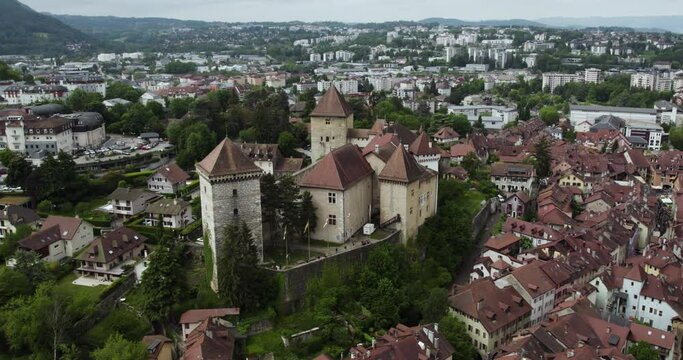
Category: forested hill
[25,31]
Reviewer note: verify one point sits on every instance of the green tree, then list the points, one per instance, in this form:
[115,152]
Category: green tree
[119,90]
[471,163]
[162,284]
[542,153]
[138,119]
[29,263]
[179,107]
[286,142]
[9,244]
[8,73]
[118,348]
[549,115]
[676,137]
[241,282]
[80,100]
[643,351]
[18,171]
[308,214]
[461,125]
[455,332]
[13,284]
[178,67]
[435,306]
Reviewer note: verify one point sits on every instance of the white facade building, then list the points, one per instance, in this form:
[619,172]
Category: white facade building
[554,80]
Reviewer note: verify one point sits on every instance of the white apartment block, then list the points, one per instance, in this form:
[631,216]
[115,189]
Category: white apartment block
[592,76]
[342,55]
[382,83]
[554,80]
[349,86]
[29,94]
[643,81]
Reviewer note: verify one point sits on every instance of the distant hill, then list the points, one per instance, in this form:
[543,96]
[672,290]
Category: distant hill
[25,31]
[458,22]
[673,23]
[106,25]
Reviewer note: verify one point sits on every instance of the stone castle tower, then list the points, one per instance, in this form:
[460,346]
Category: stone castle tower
[330,122]
[230,190]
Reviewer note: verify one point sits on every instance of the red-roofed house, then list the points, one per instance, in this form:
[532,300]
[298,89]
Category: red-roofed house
[168,179]
[190,319]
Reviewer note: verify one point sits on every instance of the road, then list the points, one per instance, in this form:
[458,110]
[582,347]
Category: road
[463,275]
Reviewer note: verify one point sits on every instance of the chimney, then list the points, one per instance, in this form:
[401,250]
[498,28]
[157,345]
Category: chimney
[115,244]
[376,148]
[124,237]
[430,144]
[479,303]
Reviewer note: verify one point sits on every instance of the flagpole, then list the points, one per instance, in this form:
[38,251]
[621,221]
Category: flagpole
[309,244]
[286,250]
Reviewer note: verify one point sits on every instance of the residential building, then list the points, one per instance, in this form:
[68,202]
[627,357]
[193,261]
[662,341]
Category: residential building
[212,339]
[592,76]
[643,81]
[652,133]
[75,232]
[408,193]
[128,202]
[13,216]
[168,179]
[173,213]
[517,205]
[110,256]
[88,129]
[29,94]
[403,342]
[230,191]
[191,319]
[492,315]
[554,80]
[581,113]
[446,136]
[158,347]
[425,152]
[535,286]
[510,178]
[341,187]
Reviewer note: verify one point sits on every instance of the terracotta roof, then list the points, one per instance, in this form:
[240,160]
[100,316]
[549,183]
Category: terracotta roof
[660,338]
[636,273]
[383,146]
[446,133]
[494,307]
[17,215]
[199,315]
[68,226]
[402,167]
[332,104]
[533,279]
[105,249]
[516,170]
[501,241]
[462,150]
[173,173]
[41,240]
[423,146]
[209,340]
[338,170]
[406,135]
[227,158]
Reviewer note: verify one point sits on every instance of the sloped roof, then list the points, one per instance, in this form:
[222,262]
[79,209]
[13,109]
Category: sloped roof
[39,241]
[402,167]
[338,170]
[106,248]
[383,146]
[199,315]
[173,173]
[68,226]
[446,133]
[209,340]
[132,194]
[167,206]
[226,159]
[332,104]
[423,146]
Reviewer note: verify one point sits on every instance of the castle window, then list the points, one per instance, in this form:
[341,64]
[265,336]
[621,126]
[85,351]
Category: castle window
[235,212]
[327,139]
[332,198]
[332,220]
[327,121]
[234,192]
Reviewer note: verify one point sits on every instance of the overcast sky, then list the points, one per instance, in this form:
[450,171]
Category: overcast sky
[356,10]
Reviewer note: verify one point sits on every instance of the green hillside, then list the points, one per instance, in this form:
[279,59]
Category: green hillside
[25,31]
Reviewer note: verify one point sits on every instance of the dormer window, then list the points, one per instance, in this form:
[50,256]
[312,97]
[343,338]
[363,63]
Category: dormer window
[327,121]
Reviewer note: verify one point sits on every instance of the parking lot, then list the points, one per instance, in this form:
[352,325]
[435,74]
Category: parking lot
[119,146]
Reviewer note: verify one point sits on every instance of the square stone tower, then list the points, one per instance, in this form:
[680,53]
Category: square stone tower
[330,122]
[230,190]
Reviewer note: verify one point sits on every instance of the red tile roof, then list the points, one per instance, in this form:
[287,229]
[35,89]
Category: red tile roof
[423,146]
[332,104]
[227,158]
[338,170]
[199,315]
[403,167]
[173,173]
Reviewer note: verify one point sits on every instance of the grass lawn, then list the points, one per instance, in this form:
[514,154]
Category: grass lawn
[278,256]
[471,201]
[270,341]
[77,291]
[120,320]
